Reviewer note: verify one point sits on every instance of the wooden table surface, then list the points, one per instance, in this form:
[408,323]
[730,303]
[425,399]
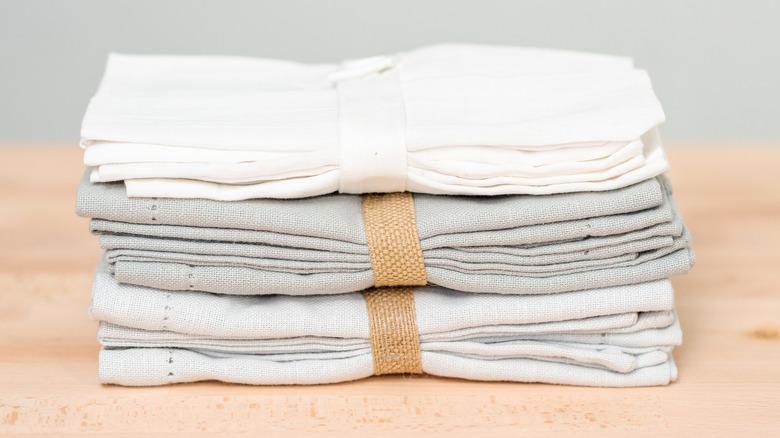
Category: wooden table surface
[729,308]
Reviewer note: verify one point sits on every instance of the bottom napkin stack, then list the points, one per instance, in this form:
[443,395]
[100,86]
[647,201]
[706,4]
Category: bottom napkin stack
[615,336]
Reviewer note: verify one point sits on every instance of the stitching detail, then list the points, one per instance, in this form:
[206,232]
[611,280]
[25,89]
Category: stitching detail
[191,277]
[167,310]
[170,366]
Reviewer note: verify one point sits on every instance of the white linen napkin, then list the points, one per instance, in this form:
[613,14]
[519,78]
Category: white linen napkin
[447,119]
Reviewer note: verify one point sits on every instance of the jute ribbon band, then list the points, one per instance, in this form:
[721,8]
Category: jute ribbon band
[393,243]
[395,341]
[397,263]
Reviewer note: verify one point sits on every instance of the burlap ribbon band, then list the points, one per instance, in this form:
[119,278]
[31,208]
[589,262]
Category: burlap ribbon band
[397,263]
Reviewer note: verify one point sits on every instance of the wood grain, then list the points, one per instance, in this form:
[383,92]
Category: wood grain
[729,307]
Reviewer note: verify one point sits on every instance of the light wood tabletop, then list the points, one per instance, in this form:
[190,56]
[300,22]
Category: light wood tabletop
[729,308]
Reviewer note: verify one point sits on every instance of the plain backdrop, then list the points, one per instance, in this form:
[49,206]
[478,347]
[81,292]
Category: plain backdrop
[715,64]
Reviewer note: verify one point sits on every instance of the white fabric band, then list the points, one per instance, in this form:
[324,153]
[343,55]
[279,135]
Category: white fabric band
[372,127]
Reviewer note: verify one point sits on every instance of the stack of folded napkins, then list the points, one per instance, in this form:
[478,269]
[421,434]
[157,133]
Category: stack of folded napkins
[487,213]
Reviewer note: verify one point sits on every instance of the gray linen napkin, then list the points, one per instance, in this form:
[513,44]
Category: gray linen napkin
[506,244]
[617,336]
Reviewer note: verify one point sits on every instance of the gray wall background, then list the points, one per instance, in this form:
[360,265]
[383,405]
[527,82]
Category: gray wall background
[715,64]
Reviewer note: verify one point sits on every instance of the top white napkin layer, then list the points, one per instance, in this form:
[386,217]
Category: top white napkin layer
[447,119]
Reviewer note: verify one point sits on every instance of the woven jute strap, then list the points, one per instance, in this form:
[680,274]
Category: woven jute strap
[393,243]
[395,340]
